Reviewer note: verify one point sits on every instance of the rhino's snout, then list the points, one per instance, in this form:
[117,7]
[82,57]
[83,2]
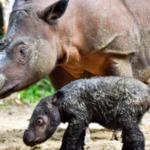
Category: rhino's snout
[28,138]
[2,81]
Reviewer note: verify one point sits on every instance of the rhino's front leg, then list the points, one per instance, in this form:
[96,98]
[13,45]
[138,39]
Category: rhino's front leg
[59,78]
[74,137]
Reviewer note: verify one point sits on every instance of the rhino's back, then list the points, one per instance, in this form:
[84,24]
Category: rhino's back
[107,25]
[119,27]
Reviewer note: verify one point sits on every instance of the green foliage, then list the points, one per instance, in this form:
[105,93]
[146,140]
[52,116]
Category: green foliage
[37,91]
[1,36]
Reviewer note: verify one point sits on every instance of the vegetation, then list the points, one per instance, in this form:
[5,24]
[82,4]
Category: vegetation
[1,36]
[37,91]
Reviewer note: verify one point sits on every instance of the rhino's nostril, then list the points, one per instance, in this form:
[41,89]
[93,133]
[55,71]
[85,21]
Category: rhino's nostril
[2,80]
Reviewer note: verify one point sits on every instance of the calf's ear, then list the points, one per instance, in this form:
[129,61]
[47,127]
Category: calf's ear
[54,98]
[54,11]
[57,97]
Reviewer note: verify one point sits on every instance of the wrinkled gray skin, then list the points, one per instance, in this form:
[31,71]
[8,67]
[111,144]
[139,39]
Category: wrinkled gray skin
[113,102]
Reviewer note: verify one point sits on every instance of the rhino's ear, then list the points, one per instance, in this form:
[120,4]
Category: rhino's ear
[18,3]
[55,10]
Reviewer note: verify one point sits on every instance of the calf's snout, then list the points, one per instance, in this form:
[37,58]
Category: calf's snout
[28,138]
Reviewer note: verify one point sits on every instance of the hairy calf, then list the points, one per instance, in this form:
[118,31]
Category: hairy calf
[114,102]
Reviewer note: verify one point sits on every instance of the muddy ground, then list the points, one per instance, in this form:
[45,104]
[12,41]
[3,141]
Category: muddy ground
[14,119]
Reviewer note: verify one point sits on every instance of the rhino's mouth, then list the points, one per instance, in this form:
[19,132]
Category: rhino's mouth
[8,90]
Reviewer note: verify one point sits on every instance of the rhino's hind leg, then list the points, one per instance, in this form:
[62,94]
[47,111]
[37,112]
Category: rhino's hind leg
[133,139]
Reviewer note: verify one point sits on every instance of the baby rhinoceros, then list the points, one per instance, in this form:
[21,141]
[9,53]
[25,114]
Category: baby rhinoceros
[113,102]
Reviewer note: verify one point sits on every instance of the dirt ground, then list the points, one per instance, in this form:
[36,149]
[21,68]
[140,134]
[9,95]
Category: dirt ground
[14,119]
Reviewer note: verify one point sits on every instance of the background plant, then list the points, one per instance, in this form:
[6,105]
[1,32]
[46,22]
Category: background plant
[37,91]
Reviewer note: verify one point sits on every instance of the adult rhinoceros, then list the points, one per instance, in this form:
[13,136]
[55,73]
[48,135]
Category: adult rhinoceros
[68,40]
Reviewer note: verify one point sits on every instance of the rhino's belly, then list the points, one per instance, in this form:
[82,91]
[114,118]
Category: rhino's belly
[94,64]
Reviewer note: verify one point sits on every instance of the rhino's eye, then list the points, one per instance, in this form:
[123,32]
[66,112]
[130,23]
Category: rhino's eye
[40,122]
[22,50]
[22,53]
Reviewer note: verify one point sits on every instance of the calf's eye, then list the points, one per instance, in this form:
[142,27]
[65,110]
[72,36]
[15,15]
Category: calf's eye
[40,122]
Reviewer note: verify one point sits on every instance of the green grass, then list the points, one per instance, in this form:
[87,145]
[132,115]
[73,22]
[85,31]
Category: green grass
[37,91]
[1,36]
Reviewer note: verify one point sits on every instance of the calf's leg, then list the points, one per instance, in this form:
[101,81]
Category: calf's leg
[133,139]
[73,136]
[80,142]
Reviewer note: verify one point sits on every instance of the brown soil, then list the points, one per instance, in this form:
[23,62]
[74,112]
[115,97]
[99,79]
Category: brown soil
[14,119]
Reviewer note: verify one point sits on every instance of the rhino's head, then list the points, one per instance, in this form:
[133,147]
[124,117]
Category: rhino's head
[30,48]
[44,121]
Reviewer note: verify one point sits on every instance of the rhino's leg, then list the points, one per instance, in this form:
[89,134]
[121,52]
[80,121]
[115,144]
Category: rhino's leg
[59,78]
[119,66]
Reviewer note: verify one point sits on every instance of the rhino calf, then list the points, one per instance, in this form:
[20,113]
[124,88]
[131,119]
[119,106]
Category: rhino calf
[113,102]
